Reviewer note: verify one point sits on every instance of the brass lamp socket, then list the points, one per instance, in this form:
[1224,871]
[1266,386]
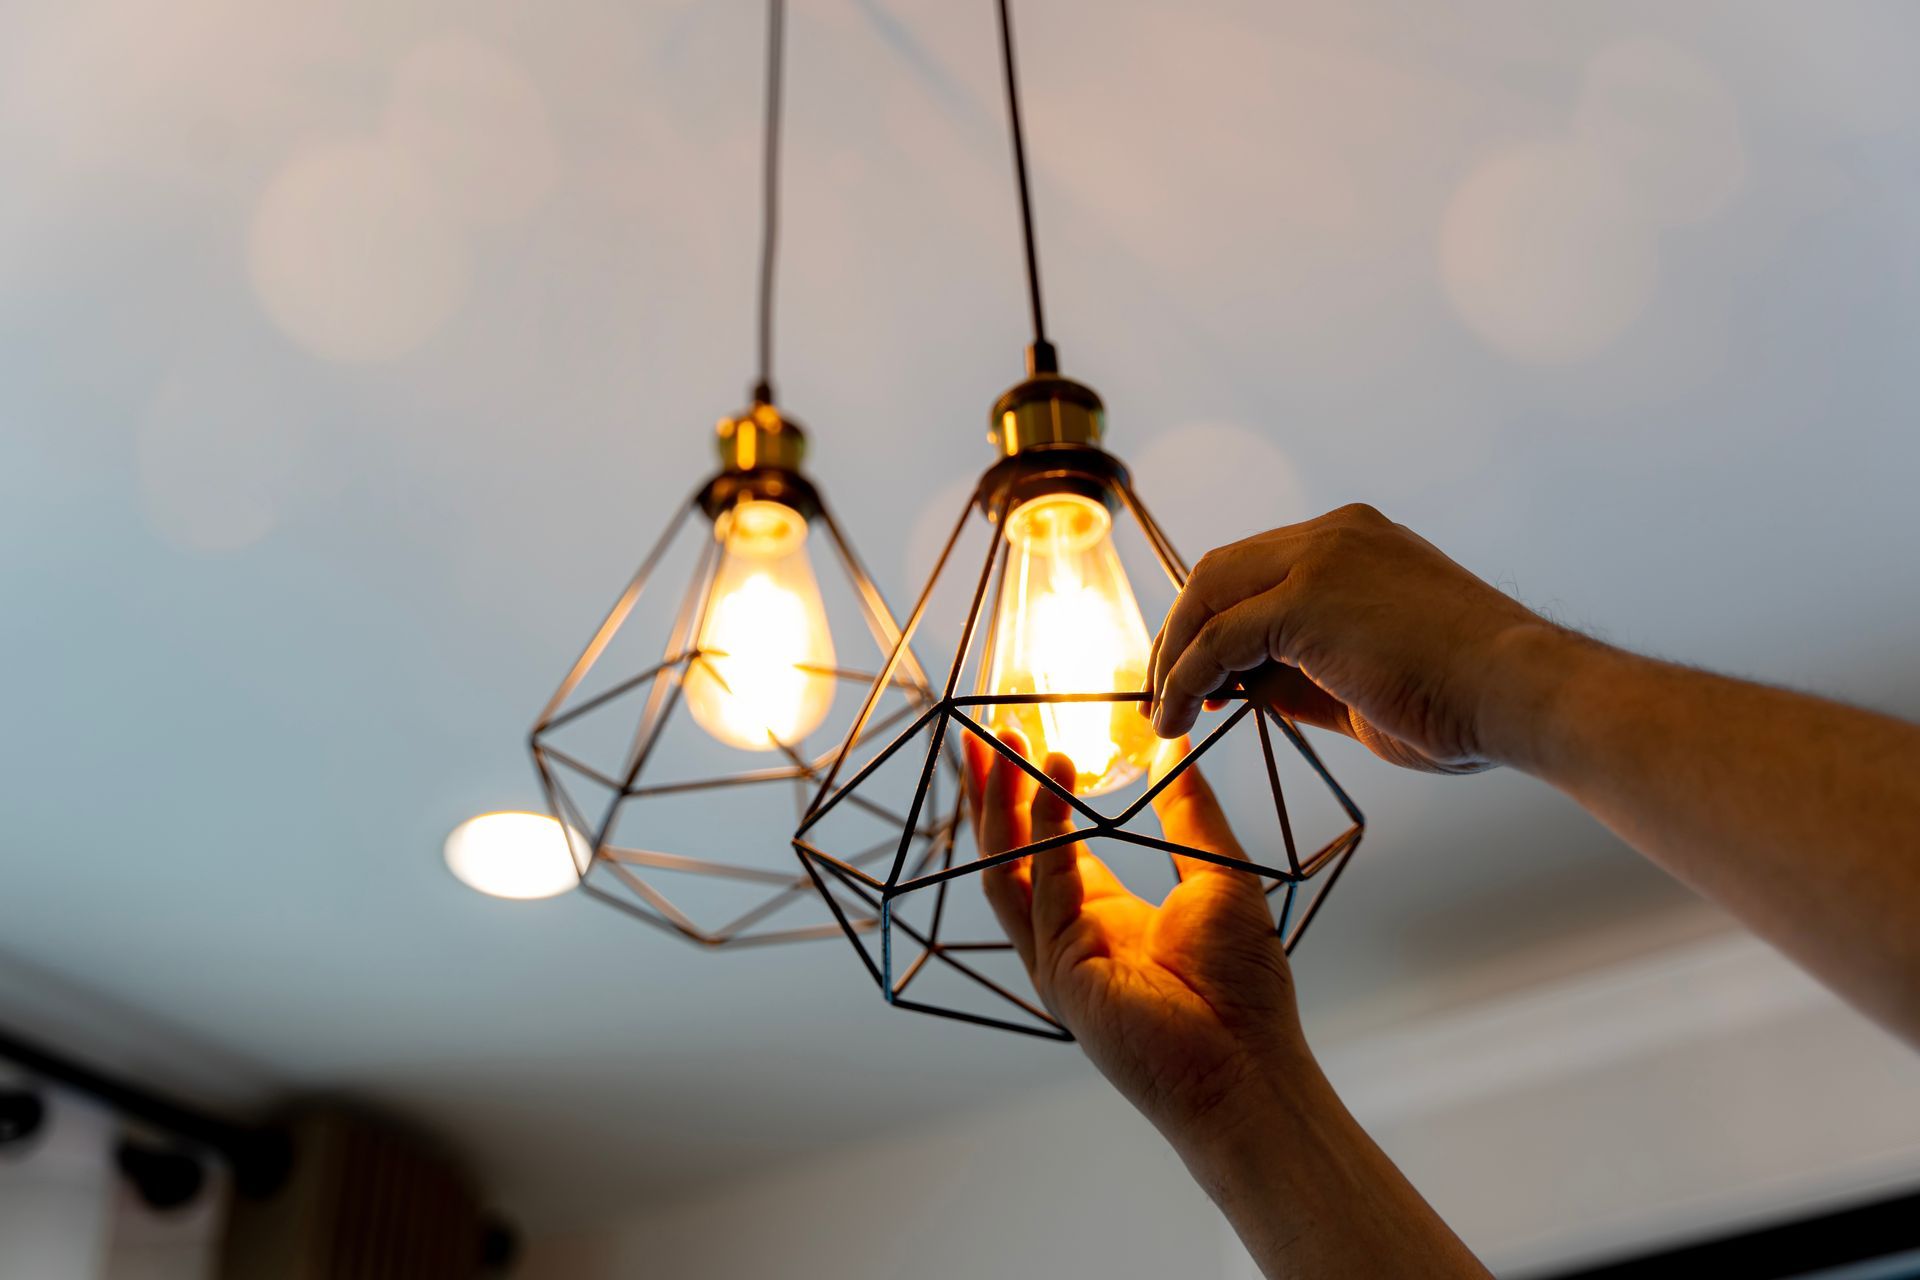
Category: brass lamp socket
[1047,431]
[1046,409]
[760,455]
[760,438]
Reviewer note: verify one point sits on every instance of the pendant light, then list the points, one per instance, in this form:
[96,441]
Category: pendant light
[1054,645]
[654,743]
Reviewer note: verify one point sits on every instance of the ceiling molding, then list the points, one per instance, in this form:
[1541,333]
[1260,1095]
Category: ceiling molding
[1625,1011]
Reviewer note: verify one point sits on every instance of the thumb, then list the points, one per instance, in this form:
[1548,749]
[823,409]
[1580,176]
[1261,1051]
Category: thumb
[1191,815]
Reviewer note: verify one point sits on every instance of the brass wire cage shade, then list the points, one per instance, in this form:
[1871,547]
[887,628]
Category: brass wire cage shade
[609,747]
[916,897]
[603,759]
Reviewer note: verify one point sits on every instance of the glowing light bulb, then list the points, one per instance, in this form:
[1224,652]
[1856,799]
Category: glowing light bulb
[763,676]
[513,855]
[1068,623]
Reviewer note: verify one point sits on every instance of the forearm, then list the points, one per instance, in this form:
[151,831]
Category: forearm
[1800,816]
[1310,1195]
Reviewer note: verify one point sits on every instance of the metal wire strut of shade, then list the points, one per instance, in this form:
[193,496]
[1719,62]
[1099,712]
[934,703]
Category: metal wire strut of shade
[1053,474]
[609,746]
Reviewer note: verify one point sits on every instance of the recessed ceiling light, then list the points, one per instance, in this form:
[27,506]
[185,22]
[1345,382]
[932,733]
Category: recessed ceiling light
[512,855]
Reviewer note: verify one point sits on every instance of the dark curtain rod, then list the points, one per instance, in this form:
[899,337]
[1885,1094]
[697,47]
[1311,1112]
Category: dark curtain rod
[258,1157]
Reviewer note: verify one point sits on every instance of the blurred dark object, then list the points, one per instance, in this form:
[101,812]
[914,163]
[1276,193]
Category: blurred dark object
[499,1247]
[365,1200]
[165,1176]
[21,1115]
[1879,1240]
[257,1158]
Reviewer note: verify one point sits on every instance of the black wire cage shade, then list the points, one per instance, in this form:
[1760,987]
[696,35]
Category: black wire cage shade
[626,767]
[1064,665]
[936,950]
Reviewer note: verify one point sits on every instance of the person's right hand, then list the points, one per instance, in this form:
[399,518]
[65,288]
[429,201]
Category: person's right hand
[1377,634]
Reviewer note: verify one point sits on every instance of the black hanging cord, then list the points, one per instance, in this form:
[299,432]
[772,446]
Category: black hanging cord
[770,194]
[1041,357]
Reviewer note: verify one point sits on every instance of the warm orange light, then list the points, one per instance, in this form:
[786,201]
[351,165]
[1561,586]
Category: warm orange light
[764,674]
[1068,623]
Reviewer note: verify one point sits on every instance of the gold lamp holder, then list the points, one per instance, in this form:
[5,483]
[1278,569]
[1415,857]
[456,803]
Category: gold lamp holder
[1047,432]
[1046,409]
[760,455]
[760,439]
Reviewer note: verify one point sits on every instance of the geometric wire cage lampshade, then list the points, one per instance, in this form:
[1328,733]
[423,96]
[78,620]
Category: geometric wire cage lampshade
[936,950]
[676,758]
[1051,643]
[733,679]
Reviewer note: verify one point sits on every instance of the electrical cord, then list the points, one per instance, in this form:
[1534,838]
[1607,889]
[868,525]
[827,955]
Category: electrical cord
[770,193]
[1041,357]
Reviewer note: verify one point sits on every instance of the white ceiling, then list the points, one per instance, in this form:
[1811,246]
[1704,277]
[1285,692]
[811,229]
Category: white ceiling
[350,355]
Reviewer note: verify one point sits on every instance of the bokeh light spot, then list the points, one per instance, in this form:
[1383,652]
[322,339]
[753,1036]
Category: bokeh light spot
[353,254]
[1543,254]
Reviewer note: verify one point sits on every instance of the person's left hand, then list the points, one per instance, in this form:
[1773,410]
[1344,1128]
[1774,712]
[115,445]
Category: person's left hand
[1188,1007]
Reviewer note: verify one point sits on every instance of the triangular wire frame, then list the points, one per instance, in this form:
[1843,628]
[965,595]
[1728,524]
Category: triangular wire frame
[1298,889]
[590,798]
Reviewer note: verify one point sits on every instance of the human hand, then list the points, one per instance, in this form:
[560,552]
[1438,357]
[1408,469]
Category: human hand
[1188,1007]
[1353,623]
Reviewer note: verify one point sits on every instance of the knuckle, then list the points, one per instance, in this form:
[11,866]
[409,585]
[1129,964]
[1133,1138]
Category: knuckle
[1212,654]
[1204,604]
[1345,541]
[1363,514]
[1213,632]
[1205,573]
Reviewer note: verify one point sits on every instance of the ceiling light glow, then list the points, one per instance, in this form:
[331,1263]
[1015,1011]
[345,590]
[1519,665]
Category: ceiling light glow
[512,855]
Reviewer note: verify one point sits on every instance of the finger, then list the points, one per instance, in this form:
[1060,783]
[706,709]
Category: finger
[1145,705]
[979,760]
[1190,815]
[1237,640]
[1011,898]
[1055,873]
[1153,665]
[1190,612]
[1288,690]
[1097,879]
[1188,811]
[1005,794]
[1220,581]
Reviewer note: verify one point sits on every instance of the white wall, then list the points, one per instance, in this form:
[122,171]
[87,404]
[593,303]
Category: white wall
[66,1214]
[56,1196]
[1648,1102]
[1058,1182]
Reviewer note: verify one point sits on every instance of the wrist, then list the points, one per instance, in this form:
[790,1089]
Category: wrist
[1276,1102]
[1280,1171]
[1532,674]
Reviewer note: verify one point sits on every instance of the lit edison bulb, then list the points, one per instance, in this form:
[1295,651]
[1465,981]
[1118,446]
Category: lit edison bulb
[1068,623]
[764,676]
